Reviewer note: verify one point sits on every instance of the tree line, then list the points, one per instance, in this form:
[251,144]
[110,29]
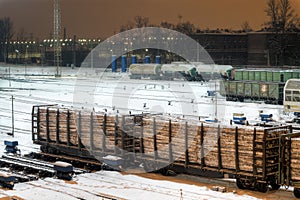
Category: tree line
[282,18]
[6,34]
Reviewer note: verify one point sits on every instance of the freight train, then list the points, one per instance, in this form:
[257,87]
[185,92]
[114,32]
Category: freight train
[238,84]
[180,70]
[258,157]
[269,92]
[258,84]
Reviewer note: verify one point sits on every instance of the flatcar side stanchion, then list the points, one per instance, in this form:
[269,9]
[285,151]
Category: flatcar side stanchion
[285,177]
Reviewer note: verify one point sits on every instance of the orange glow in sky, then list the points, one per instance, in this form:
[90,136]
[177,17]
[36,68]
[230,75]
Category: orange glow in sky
[102,18]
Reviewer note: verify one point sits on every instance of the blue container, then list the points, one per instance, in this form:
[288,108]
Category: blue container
[262,115]
[211,93]
[239,122]
[266,119]
[10,143]
[124,63]
[239,118]
[157,60]
[133,59]
[114,63]
[147,59]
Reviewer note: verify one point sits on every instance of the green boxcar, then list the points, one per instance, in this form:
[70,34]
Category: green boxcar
[257,75]
[277,76]
[238,76]
[269,76]
[295,74]
[273,91]
[240,91]
[288,74]
[248,89]
[232,88]
[245,75]
[255,89]
[251,75]
[263,76]
[224,88]
[264,90]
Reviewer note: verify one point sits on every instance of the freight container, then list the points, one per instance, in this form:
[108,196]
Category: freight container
[255,90]
[233,88]
[251,75]
[257,75]
[240,89]
[264,90]
[245,75]
[269,76]
[263,75]
[248,89]
[238,75]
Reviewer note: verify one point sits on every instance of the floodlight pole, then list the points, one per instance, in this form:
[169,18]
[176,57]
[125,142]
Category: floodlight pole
[12,116]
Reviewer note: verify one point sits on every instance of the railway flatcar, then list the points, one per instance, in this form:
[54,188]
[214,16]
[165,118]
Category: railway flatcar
[258,157]
[138,71]
[292,95]
[269,92]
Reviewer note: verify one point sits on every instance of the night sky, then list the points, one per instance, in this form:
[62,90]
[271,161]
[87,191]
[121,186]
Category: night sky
[102,18]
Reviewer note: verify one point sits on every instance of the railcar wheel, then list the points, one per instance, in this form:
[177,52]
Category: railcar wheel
[275,186]
[262,187]
[297,192]
[240,184]
[273,183]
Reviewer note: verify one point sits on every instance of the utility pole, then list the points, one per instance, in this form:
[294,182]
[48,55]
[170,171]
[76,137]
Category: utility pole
[74,50]
[57,46]
[12,116]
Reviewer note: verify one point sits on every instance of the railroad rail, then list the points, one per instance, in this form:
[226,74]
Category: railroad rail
[33,168]
[82,165]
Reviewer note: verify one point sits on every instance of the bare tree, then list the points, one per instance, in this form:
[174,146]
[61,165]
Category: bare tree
[281,15]
[186,27]
[167,25]
[272,12]
[6,34]
[246,27]
[287,16]
[282,19]
[140,21]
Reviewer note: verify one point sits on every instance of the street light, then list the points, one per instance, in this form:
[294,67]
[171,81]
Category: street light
[12,116]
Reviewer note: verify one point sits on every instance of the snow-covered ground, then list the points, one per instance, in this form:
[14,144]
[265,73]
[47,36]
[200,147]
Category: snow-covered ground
[116,93]
[114,184]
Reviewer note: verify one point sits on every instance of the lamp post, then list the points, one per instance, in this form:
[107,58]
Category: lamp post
[12,116]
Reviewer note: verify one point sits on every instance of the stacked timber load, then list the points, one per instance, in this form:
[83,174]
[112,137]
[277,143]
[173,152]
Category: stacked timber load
[215,139]
[162,137]
[59,121]
[96,130]
[295,162]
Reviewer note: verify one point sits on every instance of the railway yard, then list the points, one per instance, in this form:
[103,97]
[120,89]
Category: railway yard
[163,126]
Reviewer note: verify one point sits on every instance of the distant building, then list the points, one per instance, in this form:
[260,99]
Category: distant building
[224,47]
[252,48]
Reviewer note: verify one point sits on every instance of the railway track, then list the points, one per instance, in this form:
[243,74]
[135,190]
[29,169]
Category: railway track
[27,168]
[80,163]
